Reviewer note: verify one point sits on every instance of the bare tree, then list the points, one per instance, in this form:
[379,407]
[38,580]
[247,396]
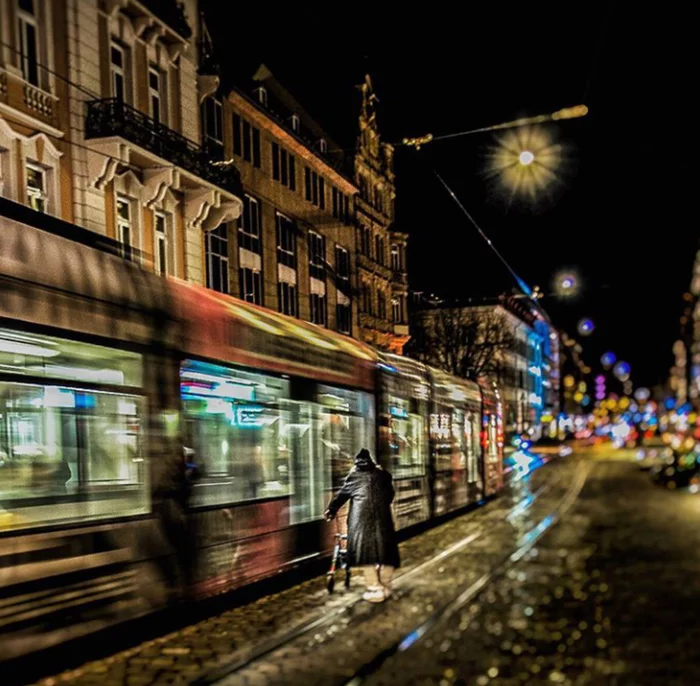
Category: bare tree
[469,343]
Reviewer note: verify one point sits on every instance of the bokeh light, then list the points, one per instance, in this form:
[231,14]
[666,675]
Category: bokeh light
[608,359]
[585,327]
[526,163]
[642,394]
[622,370]
[566,284]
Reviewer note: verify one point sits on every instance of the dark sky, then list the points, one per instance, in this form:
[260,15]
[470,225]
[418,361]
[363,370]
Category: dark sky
[623,216]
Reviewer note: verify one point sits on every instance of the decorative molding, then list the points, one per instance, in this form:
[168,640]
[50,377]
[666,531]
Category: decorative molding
[225,212]
[198,204]
[207,85]
[157,182]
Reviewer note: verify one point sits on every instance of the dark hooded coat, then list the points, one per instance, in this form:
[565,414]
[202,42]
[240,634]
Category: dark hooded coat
[371,535]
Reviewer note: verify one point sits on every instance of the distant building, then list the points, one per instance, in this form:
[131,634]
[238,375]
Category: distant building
[381,251]
[315,239]
[684,378]
[294,247]
[527,369]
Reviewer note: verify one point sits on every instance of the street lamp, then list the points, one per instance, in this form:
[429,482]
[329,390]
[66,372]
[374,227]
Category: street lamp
[526,157]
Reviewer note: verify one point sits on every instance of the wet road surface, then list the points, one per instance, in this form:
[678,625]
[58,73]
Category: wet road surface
[581,573]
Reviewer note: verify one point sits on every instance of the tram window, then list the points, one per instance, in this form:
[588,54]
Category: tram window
[346,425]
[241,426]
[42,356]
[406,439]
[69,454]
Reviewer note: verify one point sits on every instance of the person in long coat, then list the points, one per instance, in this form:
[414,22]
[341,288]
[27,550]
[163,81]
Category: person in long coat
[371,537]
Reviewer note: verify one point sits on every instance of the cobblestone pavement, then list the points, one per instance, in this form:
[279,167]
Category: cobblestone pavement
[610,596]
[584,573]
[198,651]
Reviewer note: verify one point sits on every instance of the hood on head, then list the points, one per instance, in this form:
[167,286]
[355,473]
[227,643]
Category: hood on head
[363,460]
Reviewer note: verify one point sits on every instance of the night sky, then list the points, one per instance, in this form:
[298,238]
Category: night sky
[623,213]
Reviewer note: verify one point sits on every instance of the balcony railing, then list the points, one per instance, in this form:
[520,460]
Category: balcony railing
[112,117]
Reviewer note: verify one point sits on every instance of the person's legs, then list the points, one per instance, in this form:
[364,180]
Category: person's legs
[386,573]
[375,591]
[371,574]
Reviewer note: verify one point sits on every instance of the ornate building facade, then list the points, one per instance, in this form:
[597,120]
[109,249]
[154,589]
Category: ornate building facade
[381,251]
[100,125]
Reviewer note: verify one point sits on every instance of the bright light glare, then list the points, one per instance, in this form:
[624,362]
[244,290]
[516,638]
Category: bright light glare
[526,163]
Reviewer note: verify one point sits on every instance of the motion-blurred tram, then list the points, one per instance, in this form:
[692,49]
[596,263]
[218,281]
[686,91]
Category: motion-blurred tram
[108,372]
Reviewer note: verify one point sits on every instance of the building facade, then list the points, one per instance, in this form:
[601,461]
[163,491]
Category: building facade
[293,249]
[513,342]
[112,118]
[381,251]
[100,126]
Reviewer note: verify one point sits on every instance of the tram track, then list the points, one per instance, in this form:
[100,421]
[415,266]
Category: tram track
[279,642]
[440,616]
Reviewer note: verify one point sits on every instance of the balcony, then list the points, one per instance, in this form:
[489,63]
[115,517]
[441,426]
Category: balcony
[32,105]
[113,118]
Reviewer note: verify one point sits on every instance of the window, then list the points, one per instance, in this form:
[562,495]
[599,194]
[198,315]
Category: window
[295,123]
[287,298]
[381,305]
[250,229]
[237,147]
[242,422]
[346,424]
[379,199]
[364,187]
[395,311]
[217,258]
[261,94]
[117,68]
[379,249]
[36,188]
[366,301]
[343,316]
[62,446]
[317,256]
[340,205]
[283,167]
[28,48]
[250,285]
[161,244]
[124,227]
[212,127]
[318,309]
[286,242]
[342,264]
[256,150]
[407,444]
[246,141]
[365,240]
[314,188]
[395,257]
[155,87]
